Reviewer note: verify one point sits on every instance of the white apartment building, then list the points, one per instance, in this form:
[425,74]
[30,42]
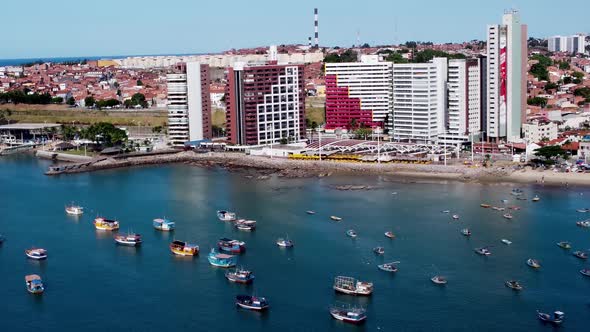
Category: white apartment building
[571,44]
[189,109]
[506,82]
[369,81]
[419,101]
[464,101]
[535,132]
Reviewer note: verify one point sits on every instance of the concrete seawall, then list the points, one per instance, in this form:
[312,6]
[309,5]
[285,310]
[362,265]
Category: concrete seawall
[62,156]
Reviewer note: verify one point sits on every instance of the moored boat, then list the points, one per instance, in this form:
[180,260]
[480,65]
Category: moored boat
[485,206]
[507,216]
[517,192]
[564,245]
[221,260]
[351,315]
[445,211]
[388,267]
[311,212]
[456,216]
[580,254]
[163,224]
[466,232]
[533,263]
[536,198]
[233,246]
[351,286]
[583,210]
[106,224]
[335,218]
[583,223]
[240,276]
[555,319]
[506,241]
[439,280]
[246,225]
[181,248]
[74,210]
[130,239]
[389,235]
[585,272]
[34,284]
[484,251]
[351,233]
[379,250]
[514,208]
[513,284]
[285,243]
[36,253]
[497,208]
[252,302]
[226,215]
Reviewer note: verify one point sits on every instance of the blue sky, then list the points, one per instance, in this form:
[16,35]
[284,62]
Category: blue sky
[58,28]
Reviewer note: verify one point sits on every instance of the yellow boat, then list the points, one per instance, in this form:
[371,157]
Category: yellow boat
[184,249]
[106,224]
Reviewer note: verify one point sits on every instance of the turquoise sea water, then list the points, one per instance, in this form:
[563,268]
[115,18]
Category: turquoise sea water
[94,285]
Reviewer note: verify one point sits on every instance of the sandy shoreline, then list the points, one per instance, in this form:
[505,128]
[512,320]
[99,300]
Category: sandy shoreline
[265,166]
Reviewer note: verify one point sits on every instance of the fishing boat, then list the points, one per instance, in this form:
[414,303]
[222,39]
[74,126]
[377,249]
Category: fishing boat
[513,284]
[351,233]
[390,235]
[351,315]
[439,280]
[181,248]
[484,251]
[507,216]
[335,218]
[555,319]
[246,225]
[522,198]
[533,263]
[221,260]
[74,210]
[252,302]
[536,198]
[34,284]
[36,253]
[580,254]
[106,224]
[504,201]
[517,192]
[585,272]
[514,208]
[466,232]
[564,245]
[285,243]
[233,246]
[379,250]
[130,239]
[240,276]
[583,223]
[456,216]
[445,211]
[388,267]
[226,215]
[497,208]
[163,224]
[583,210]
[506,241]
[351,286]
[311,212]
[485,206]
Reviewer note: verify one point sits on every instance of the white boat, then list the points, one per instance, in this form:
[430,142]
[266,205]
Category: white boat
[507,216]
[583,210]
[353,316]
[285,243]
[506,241]
[556,319]
[466,232]
[351,233]
[379,250]
[536,198]
[456,216]
[390,235]
[351,286]
[513,284]
[36,253]
[335,218]
[388,267]
[163,224]
[439,280]
[583,223]
[246,225]
[74,210]
[446,211]
[483,251]
[311,212]
[533,263]
[226,215]
[585,272]
[130,239]
[580,254]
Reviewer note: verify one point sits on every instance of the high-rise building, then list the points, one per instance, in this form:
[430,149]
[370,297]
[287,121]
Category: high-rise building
[189,105]
[265,103]
[419,101]
[507,63]
[570,44]
[360,91]
[464,101]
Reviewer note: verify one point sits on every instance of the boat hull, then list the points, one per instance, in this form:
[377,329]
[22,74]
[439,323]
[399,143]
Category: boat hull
[348,319]
[352,292]
[128,244]
[37,258]
[239,280]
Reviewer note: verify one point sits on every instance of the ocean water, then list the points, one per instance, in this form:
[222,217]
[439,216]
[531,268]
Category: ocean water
[94,285]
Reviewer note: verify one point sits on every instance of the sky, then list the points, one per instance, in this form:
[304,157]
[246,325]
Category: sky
[77,28]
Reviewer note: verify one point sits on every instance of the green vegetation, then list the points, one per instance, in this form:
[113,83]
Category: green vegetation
[4,115]
[100,104]
[537,101]
[539,70]
[427,55]
[563,65]
[89,101]
[550,153]
[583,92]
[139,83]
[137,99]
[346,56]
[57,100]
[24,97]
[71,101]
[104,133]
[550,86]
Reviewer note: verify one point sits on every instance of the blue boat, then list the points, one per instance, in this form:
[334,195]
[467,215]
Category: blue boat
[233,246]
[221,260]
[163,224]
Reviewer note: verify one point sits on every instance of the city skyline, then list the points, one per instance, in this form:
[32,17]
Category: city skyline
[159,29]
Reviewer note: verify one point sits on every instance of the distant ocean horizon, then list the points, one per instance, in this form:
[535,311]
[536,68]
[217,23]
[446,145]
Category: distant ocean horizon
[18,62]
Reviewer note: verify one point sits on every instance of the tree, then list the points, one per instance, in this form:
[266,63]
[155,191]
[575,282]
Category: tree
[284,141]
[551,152]
[427,55]
[139,83]
[89,101]
[583,92]
[136,99]
[365,45]
[578,75]
[550,86]
[57,100]
[346,56]
[362,133]
[537,101]
[71,101]
[157,129]
[564,65]
[396,57]
[68,132]
[105,133]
